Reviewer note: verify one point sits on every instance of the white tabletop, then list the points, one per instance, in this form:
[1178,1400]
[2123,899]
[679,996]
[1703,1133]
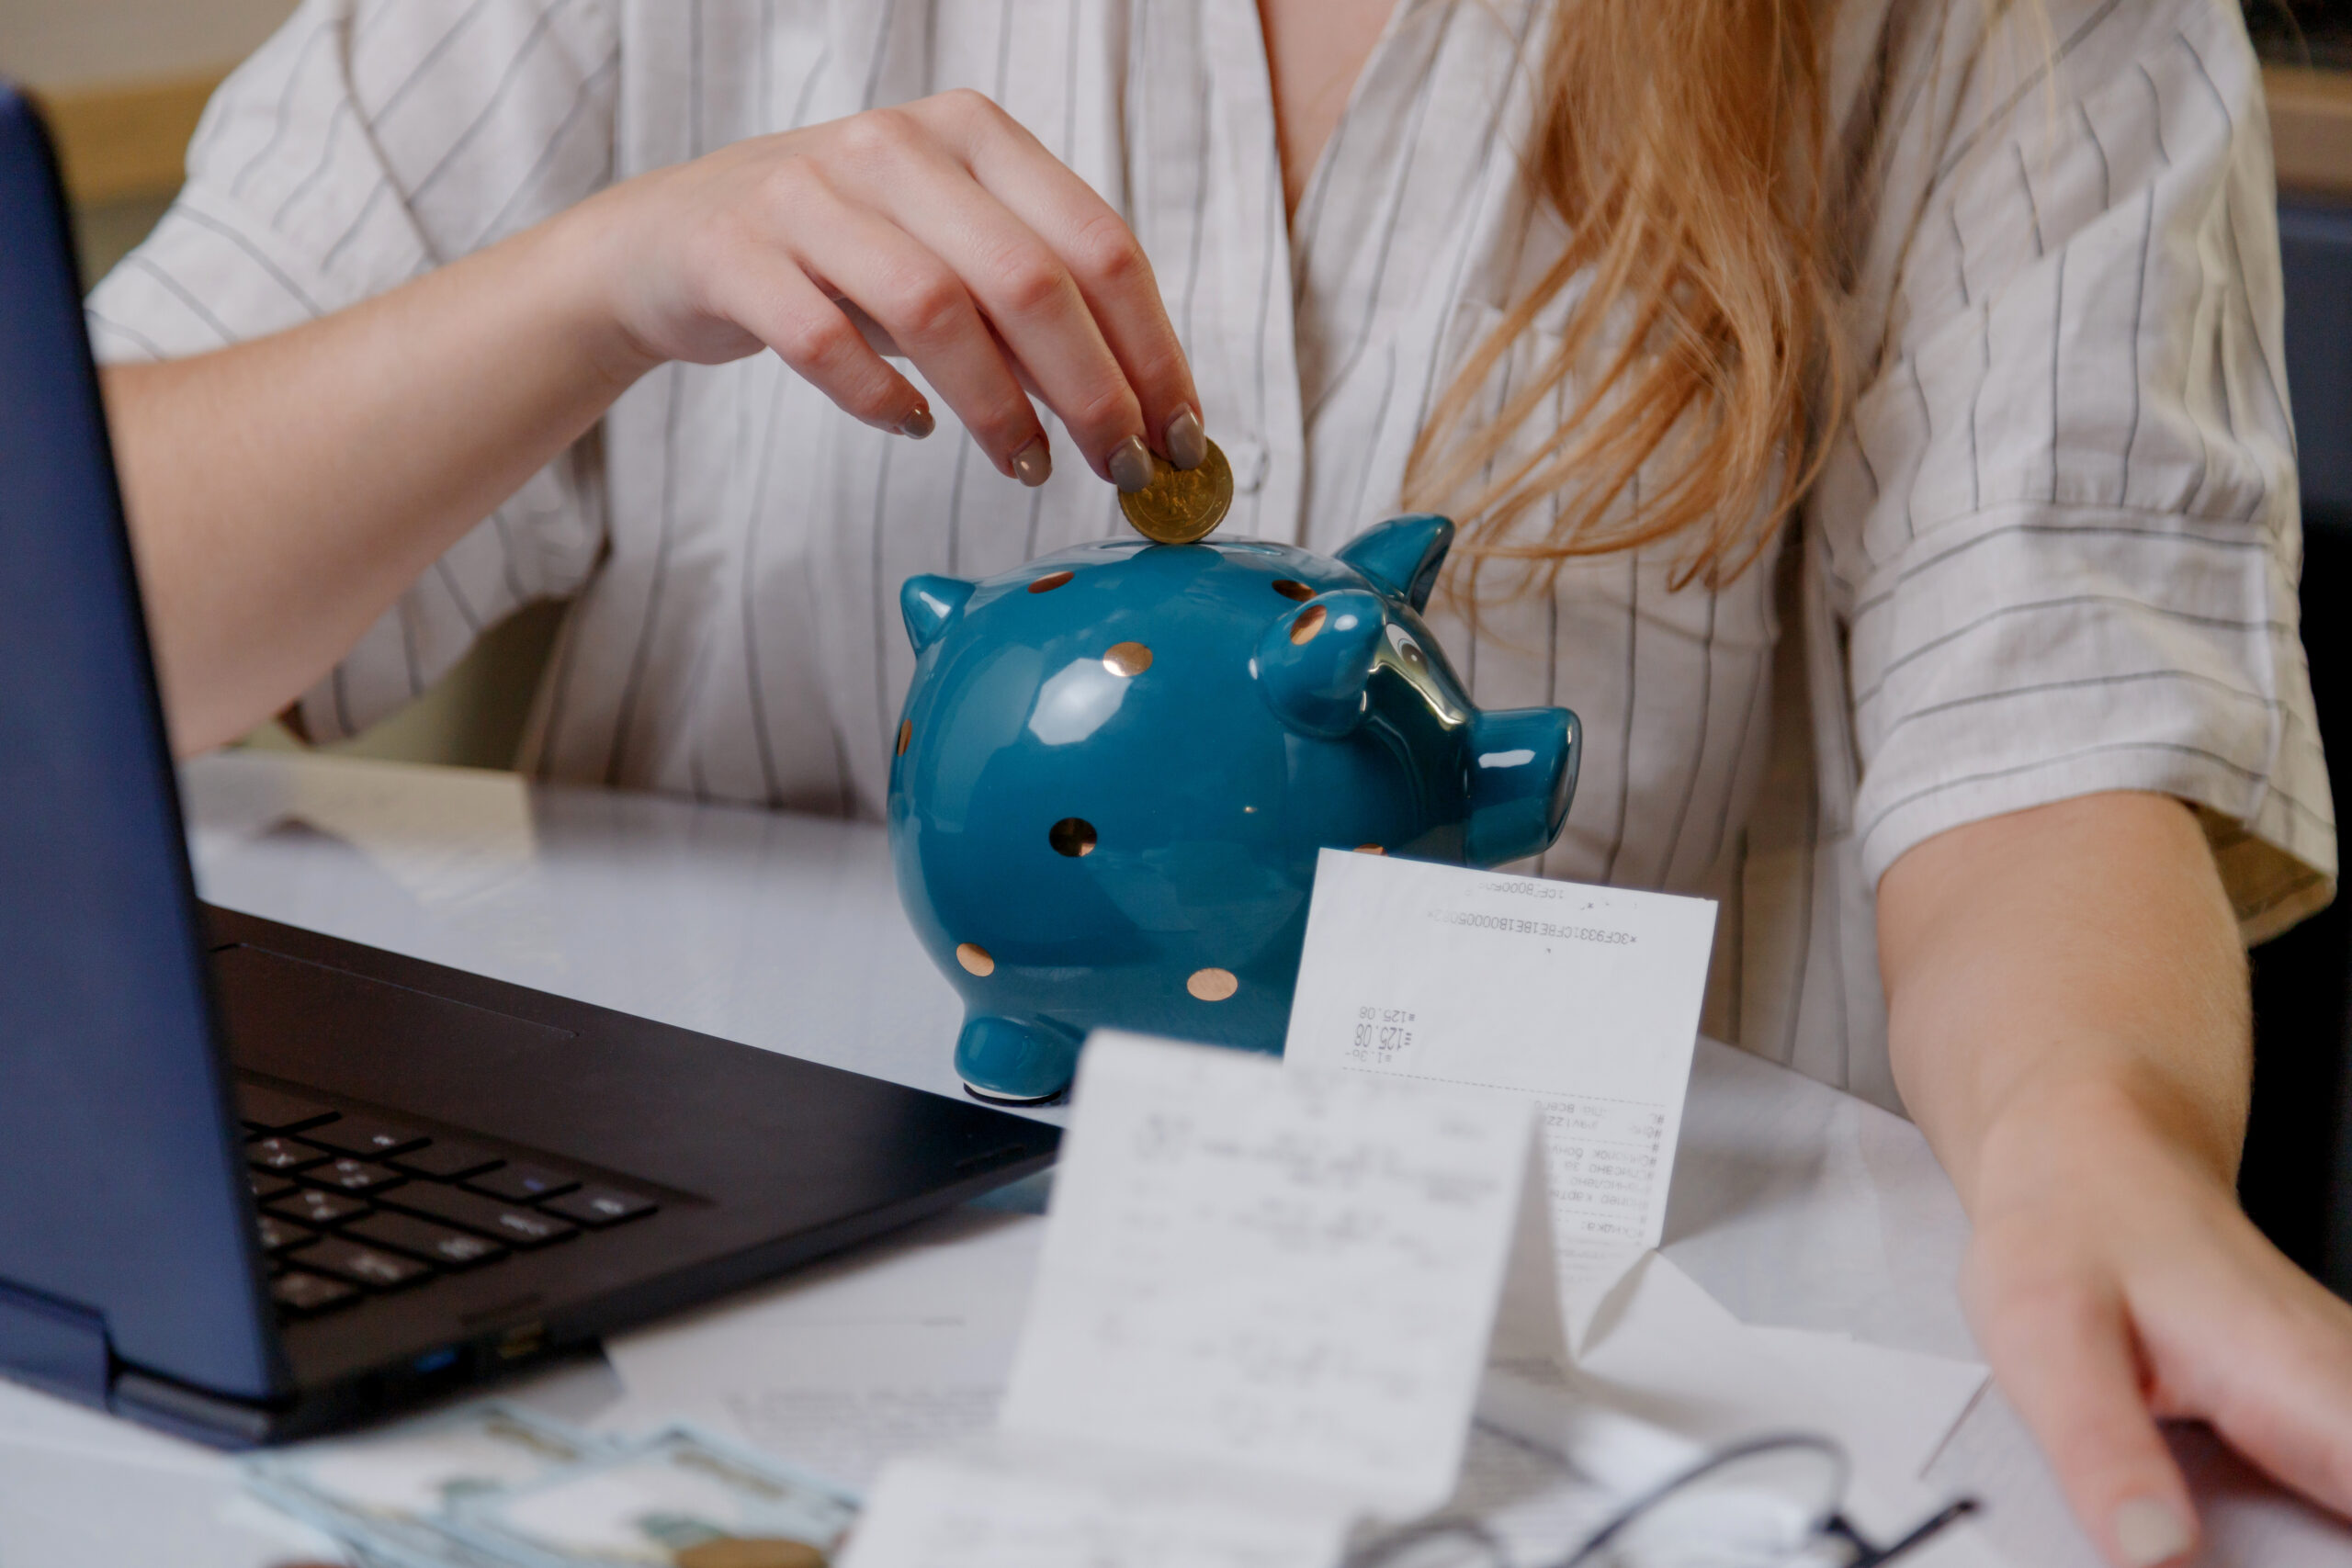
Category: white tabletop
[1793,1204]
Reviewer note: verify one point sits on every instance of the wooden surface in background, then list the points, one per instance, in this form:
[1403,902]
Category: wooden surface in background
[120,140]
[2310,127]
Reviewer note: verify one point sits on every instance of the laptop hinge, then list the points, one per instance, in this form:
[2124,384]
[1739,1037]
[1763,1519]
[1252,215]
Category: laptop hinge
[190,1411]
[53,1345]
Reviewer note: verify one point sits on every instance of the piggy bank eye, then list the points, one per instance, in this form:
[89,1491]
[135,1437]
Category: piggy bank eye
[1073,836]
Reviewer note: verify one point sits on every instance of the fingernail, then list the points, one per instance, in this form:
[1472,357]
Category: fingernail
[919,424]
[1130,466]
[1033,465]
[1188,444]
[2149,1530]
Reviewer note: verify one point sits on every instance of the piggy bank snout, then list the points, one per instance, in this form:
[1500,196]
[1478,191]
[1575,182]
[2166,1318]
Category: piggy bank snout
[1523,774]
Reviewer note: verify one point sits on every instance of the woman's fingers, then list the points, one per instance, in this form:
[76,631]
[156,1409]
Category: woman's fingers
[778,304]
[2254,1346]
[917,298]
[1025,289]
[2060,1341]
[1104,260]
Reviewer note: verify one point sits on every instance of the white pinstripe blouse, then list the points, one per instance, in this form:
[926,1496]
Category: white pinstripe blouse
[2054,551]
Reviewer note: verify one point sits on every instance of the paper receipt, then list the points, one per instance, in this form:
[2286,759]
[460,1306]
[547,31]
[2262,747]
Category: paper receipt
[1585,998]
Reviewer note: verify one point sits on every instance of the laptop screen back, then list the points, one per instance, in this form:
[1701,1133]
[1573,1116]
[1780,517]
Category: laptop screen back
[120,1175]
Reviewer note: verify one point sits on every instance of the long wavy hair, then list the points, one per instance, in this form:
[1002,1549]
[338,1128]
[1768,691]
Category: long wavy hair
[1683,144]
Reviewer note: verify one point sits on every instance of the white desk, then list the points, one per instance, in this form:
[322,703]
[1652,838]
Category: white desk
[1793,1204]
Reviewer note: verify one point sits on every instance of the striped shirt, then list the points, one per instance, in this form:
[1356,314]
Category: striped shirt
[2054,549]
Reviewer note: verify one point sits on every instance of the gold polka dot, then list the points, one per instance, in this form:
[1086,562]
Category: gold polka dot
[1212,984]
[1370,850]
[1290,589]
[1073,836]
[975,958]
[1127,658]
[906,733]
[1309,622]
[1049,582]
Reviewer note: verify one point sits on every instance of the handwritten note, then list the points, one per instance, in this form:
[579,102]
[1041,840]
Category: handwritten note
[1263,1304]
[1583,999]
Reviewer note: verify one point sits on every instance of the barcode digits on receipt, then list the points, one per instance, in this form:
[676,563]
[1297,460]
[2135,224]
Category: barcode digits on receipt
[1522,925]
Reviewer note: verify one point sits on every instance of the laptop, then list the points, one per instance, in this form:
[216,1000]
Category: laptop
[256,1182]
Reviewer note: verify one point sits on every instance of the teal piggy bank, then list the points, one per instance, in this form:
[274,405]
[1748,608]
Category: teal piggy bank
[1116,764]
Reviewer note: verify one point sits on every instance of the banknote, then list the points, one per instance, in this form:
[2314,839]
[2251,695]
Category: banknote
[392,1495]
[683,1498]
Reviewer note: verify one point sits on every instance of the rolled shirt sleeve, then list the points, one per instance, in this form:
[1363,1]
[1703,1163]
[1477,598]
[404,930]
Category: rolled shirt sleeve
[2061,535]
[369,141]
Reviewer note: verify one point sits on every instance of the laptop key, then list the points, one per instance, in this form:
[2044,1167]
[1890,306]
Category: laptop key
[274,1110]
[281,1235]
[364,1266]
[520,1183]
[435,1244]
[365,1136]
[445,1159]
[350,1176]
[510,1222]
[268,1186]
[303,1294]
[321,1209]
[283,1154]
[600,1206]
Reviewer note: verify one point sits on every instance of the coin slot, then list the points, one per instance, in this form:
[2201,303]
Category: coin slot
[1290,588]
[1130,658]
[906,733]
[1073,836]
[975,959]
[1310,621]
[1049,582]
[1212,984]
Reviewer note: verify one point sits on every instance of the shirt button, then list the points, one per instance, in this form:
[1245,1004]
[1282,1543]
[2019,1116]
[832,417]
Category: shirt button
[1247,457]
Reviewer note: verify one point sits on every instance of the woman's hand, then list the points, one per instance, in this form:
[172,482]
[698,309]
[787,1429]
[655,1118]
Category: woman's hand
[2112,1280]
[298,483]
[942,222]
[2068,1013]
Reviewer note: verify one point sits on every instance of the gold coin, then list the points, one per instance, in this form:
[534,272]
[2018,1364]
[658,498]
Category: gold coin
[1180,505]
[750,1552]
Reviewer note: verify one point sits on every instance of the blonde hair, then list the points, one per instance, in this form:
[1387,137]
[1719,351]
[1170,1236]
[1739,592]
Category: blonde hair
[1681,141]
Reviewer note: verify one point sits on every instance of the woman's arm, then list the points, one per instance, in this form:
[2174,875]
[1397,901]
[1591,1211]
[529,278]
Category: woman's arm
[284,492]
[2069,1023]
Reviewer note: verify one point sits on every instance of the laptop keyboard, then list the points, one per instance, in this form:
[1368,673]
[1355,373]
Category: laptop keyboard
[355,1205]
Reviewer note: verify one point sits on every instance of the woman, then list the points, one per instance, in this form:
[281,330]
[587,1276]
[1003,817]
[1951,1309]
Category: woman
[1948,341]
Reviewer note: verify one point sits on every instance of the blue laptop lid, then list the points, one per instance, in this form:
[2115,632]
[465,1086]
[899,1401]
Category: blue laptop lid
[123,1221]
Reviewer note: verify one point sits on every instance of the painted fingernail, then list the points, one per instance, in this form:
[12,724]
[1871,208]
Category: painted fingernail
[2149,1530]
[1130,466]
[1188,444]
[1033,465]
[919,424]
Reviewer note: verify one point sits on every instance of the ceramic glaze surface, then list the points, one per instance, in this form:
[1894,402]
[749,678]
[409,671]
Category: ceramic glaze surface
[1116,765]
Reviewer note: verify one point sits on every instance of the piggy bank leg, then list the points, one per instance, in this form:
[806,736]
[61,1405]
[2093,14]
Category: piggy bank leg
[1002,1058]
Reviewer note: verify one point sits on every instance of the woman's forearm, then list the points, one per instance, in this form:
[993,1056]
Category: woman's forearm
[2077,955]
[2067,1011]
[282,492]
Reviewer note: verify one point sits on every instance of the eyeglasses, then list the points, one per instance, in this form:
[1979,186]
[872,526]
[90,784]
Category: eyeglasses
[1768,1503]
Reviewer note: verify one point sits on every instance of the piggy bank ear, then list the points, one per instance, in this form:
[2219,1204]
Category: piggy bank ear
[930,605]
[1312,663]
[1402,555]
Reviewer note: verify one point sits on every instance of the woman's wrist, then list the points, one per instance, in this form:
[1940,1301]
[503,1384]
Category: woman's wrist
[2082,1126]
